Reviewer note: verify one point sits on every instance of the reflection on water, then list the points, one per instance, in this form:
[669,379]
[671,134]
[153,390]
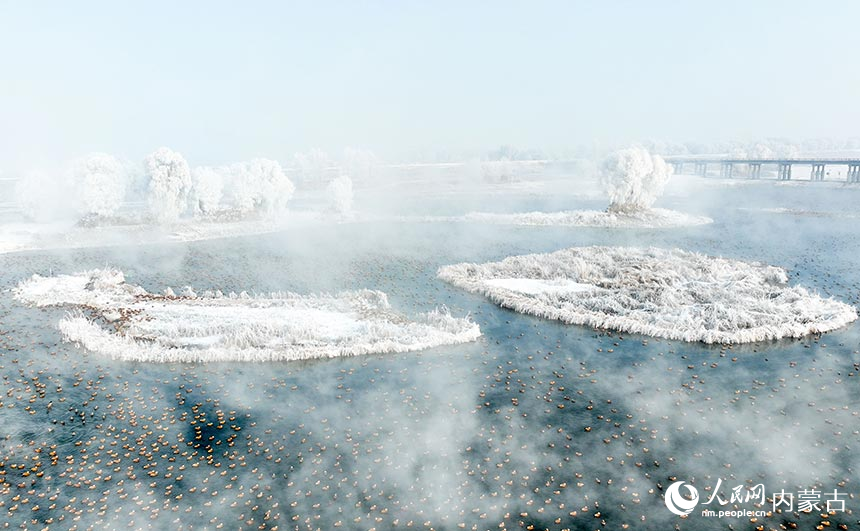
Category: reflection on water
[537,424]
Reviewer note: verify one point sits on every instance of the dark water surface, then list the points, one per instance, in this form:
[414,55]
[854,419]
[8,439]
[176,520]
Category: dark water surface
[537,424]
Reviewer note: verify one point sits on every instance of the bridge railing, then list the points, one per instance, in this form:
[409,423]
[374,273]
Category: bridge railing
[783,166]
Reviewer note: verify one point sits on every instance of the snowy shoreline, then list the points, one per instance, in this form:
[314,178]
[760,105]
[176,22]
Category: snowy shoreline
[652,218]
[24,237]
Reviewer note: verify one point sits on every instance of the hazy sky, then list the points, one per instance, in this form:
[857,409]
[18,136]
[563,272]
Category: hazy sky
[226,81]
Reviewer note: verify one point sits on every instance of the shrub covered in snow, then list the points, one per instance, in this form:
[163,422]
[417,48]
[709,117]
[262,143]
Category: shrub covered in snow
[633,179]
[169,184]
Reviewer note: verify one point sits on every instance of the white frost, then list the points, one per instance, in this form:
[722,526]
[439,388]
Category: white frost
[536,286]
[126,322]
[666,293]
[169,184]
[634,179]
[258,185]
[100,182]
[207,189]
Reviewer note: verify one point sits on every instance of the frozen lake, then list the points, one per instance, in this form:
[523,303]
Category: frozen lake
[537,423]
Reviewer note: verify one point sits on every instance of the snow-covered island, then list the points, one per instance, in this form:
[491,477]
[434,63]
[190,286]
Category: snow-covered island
[632,179]
[123,321]
[673,294]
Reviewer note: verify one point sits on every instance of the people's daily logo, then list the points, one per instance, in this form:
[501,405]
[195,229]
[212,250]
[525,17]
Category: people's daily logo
[677,503]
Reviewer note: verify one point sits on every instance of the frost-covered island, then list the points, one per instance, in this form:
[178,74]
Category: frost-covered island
[665,293]
[123,321]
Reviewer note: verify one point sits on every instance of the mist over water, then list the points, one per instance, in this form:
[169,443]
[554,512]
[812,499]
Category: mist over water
[537,423]
[224,234]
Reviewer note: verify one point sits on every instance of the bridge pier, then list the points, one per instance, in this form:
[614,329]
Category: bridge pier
[854,173]
[817,172]
[702,169]
[755,170]
[678,167]
[784,171]
[726,169]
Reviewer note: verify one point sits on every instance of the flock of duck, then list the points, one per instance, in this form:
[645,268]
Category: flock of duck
[536,426]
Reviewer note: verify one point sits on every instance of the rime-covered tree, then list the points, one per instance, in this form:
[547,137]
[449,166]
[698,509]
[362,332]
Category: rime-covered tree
[633,179]
[206,189]
[169,184]
[276,189]
[259,185]
[312,165]
[100,183]
[340,194]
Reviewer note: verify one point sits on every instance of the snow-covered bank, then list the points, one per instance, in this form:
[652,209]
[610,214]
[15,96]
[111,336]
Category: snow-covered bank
[667,293]
[126,322]
[652,218]
[647,218]
[20,237]
[805,212]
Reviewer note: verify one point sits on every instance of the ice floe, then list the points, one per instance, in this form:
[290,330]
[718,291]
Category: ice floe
[666,293]
[114,318]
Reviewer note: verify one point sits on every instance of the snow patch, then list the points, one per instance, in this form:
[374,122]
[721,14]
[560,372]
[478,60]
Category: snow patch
[667,293]
[534,286]
[126,322]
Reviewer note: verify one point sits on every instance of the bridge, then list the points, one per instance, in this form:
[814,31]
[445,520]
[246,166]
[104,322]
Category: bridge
[753,167]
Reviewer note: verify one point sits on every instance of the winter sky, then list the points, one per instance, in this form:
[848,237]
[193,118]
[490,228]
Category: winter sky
[224,81]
